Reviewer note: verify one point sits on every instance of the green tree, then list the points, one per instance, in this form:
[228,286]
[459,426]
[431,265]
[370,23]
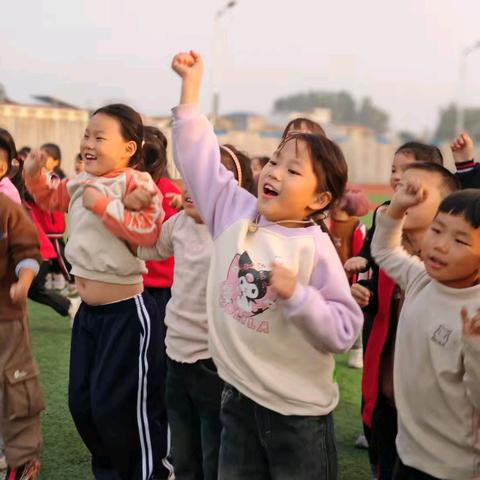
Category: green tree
[371,116]
[341,104]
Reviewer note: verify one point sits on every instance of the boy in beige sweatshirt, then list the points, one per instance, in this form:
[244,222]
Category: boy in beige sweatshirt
[437,351]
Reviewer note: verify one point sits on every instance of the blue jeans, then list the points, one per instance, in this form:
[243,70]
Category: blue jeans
[260,444]
[194,392]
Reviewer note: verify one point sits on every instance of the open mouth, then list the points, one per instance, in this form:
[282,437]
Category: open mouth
[269,191]
[188,200]
[435,263]
[89,157]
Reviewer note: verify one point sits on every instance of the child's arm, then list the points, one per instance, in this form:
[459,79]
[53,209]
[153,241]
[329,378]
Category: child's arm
[24,250]
[136,227]
[214,189]
[164,246]
[325,309]
[468,172]
[387,247]
[50,193]
[471,350]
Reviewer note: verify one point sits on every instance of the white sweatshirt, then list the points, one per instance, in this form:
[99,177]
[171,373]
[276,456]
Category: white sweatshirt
[186,313]
[436,369]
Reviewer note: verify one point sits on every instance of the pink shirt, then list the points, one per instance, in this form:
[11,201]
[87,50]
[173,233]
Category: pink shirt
[9,189]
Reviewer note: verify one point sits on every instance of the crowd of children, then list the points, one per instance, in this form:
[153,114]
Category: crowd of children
[210,309]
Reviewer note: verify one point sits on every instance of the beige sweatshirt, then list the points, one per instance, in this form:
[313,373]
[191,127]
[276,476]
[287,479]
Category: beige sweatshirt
[186,312]
[437,370]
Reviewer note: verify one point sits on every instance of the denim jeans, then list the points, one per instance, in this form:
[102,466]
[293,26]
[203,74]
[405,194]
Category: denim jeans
[194,392]
[260,444]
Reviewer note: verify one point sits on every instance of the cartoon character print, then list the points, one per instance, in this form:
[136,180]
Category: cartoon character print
[246,292]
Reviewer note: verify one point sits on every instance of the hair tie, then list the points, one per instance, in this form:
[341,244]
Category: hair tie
[235,161]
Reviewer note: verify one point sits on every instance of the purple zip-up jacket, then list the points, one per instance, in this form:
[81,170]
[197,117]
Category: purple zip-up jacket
[277,353]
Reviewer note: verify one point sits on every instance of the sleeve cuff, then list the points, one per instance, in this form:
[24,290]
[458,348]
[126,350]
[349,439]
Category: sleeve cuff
[292,304]
[186,111]
[29,263]
[101,206]
[387,221]
[462,166]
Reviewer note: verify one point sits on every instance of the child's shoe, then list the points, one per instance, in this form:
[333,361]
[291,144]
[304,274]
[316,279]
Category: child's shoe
[28,471]
[355,358]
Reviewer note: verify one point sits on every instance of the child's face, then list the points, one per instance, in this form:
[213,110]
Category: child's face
[400,161]
[50,163]
[3,163]
[451,251]
[103,148]
[79,165]
[421,216]
[287,187]
[190,208]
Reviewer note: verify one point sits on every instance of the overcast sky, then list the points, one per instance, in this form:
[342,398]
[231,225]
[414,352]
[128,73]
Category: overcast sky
[403,53]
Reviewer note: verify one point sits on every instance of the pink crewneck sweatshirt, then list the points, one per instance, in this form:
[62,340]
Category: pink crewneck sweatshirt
[9,189]
[277,353]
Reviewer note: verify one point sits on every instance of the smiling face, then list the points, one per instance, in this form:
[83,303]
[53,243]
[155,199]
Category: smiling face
[103,148]
[451,251]
[287,187]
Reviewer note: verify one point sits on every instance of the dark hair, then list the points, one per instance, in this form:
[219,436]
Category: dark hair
[261,160]
[465,203]
[450,182]
[24,151]
[422,152]
[131,126]
[297,123]
[245,166]
[53,150]
[328,164]
[8,144]
[154,153]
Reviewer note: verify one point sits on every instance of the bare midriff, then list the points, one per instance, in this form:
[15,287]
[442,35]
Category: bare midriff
[94,292]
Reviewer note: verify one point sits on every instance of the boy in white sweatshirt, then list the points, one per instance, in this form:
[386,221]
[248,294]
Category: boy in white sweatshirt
[437,351]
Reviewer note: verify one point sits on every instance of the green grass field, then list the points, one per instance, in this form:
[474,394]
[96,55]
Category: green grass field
[65,457]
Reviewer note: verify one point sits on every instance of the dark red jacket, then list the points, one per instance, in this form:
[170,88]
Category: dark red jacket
[375,346]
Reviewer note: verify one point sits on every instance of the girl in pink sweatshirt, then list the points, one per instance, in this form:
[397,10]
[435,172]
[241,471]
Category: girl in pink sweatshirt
[278,299]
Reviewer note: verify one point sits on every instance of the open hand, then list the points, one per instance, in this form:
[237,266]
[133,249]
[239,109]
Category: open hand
[471,325]
[34,163]
[139,199]
[283,280]
[462,148]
